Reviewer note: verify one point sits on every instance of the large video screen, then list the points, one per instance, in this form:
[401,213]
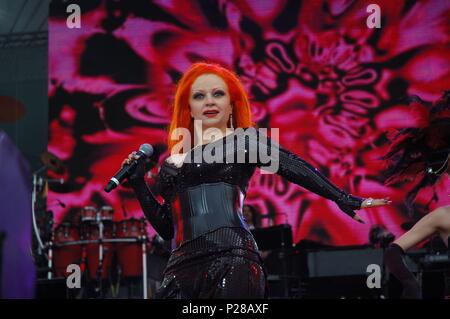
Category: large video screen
[320,71]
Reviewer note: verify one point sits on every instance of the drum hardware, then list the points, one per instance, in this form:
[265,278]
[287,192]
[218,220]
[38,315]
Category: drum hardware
[91,243]
[53,163]
[37,181]
[98,238]
[96,228]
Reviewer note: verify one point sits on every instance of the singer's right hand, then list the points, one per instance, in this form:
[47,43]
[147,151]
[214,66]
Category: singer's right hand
[130,157]
[138,174]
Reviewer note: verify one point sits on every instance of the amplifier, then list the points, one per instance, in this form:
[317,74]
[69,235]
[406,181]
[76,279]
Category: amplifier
[52,289]
[274,237]
[347,262]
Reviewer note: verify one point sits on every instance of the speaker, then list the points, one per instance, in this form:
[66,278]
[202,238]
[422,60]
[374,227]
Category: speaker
[345,262]
[274,237]
[51,289]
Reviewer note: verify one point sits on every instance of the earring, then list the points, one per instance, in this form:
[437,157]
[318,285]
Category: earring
[231,121]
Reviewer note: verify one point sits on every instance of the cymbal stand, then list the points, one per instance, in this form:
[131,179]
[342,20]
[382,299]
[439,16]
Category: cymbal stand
[39,181]
[36,180]
[100,253]
[144,262]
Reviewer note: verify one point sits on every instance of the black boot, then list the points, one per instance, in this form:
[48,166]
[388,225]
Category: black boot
[447,274]
[448,246]
[393,258]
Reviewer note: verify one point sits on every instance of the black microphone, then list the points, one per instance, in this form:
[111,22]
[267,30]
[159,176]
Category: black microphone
[61,203]
[145,151]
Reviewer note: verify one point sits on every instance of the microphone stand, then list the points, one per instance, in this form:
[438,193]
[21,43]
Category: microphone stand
[144,263]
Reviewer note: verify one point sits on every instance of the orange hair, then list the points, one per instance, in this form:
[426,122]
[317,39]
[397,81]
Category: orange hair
[181,116]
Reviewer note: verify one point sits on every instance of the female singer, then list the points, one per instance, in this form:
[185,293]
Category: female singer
[216,255]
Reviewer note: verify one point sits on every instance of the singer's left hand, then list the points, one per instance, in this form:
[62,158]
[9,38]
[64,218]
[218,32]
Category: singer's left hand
[371,202]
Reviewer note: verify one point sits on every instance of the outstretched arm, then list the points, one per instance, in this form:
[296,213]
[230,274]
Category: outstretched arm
[436,221]
[424,228]
[300,172]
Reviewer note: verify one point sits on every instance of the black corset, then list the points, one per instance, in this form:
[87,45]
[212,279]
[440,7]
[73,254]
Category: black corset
[207,207]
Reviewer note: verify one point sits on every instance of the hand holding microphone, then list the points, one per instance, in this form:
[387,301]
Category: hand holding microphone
[134,162]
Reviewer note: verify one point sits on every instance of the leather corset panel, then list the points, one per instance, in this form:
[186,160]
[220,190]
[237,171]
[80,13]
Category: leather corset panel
[207,207]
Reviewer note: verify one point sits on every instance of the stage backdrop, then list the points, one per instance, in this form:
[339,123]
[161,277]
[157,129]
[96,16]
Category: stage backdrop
[313,69]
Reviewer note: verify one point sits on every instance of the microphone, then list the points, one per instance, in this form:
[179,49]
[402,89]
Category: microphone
[145,151]
[61,203]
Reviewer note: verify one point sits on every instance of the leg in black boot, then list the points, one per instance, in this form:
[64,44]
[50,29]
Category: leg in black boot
[393,258]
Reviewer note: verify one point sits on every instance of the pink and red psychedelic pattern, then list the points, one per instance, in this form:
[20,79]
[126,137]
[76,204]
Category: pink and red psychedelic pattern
[313,69]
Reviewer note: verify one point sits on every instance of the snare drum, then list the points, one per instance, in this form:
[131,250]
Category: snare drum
[129,255]
[67,249]
[106,213]
[89,214]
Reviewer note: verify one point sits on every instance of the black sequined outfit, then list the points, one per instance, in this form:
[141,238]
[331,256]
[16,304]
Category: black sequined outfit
[216,255]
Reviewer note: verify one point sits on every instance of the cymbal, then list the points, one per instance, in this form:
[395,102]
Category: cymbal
[53,162]
[11,109]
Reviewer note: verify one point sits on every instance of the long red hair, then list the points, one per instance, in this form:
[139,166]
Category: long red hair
[181,117]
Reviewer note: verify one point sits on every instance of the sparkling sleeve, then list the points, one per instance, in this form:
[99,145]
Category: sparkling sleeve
[274,158]
[159,215]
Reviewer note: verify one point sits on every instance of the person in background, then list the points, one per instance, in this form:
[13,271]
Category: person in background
[420,154]
[251,216]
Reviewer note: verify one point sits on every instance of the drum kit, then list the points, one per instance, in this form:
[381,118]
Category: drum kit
[100,246]
[95,241]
